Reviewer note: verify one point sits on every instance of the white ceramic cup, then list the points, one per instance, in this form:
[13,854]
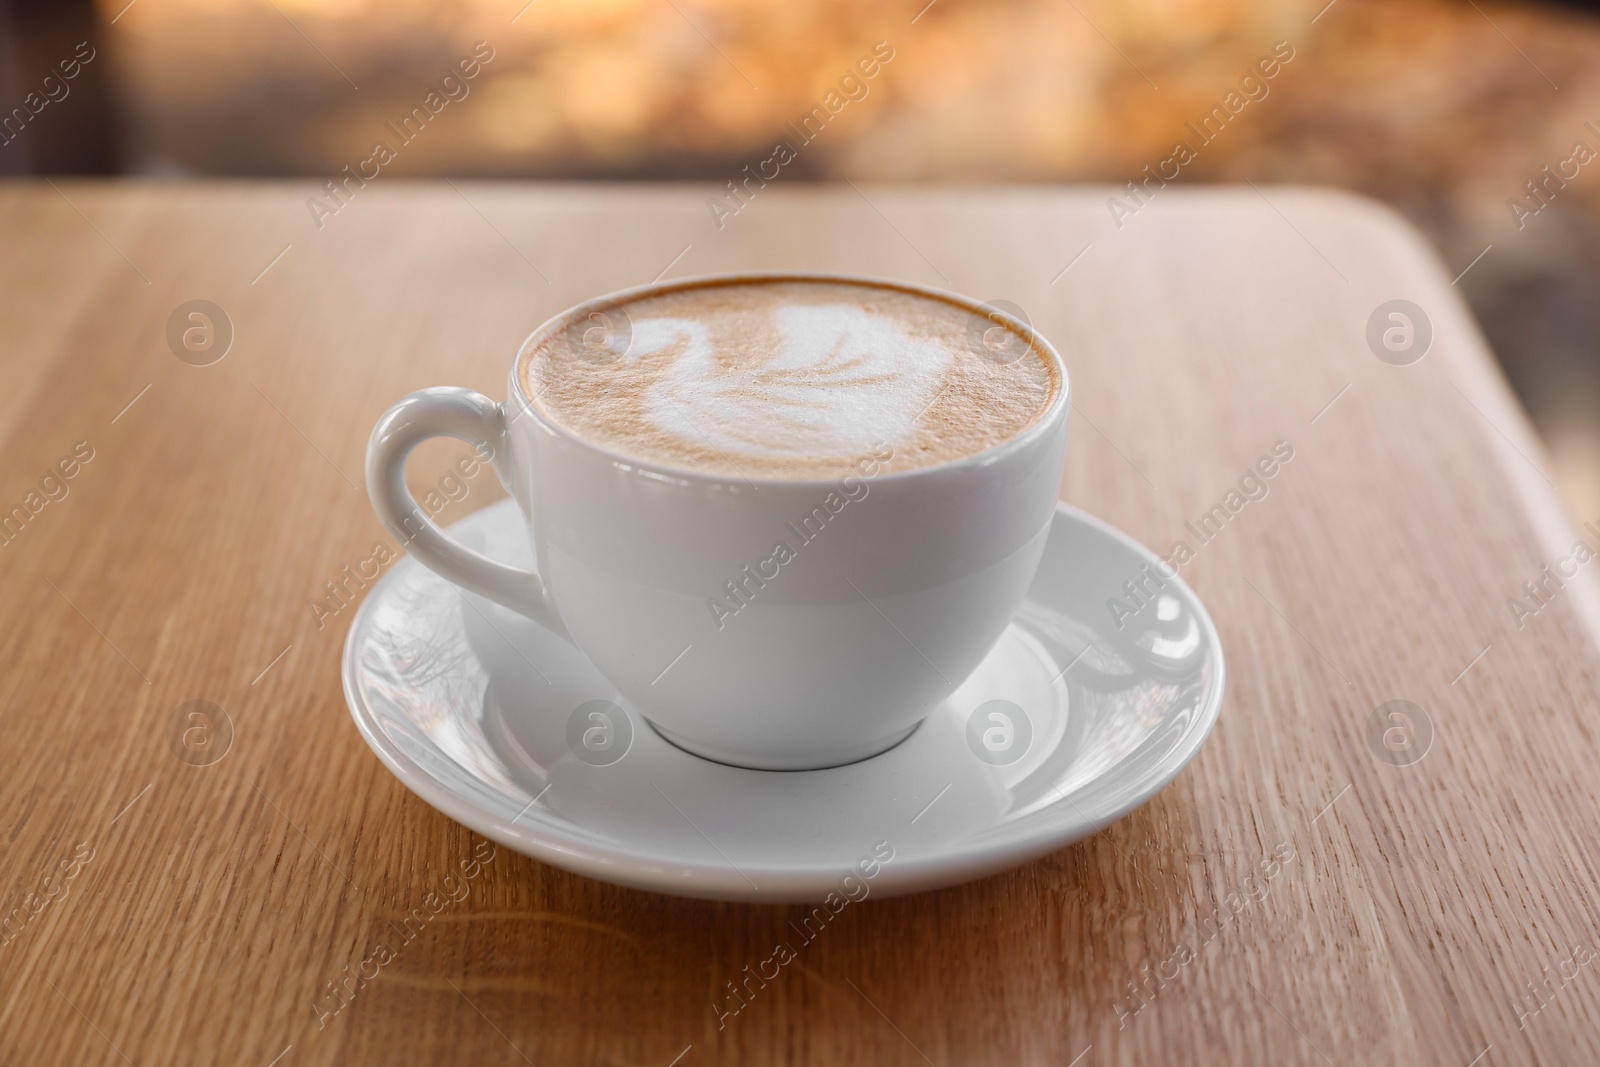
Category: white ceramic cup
[896,585]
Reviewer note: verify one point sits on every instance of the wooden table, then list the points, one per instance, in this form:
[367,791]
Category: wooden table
[194,910]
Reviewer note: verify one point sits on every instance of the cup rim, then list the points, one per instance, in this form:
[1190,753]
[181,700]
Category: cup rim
[1044,424]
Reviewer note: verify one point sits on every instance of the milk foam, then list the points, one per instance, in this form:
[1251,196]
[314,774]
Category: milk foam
[786,377]
[840,379]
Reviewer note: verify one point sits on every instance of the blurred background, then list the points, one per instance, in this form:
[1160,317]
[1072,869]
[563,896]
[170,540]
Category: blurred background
[1478,120]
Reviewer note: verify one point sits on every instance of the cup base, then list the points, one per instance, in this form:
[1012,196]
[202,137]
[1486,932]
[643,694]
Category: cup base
[813,762]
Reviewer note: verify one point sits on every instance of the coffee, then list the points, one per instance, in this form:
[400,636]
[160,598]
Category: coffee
[691,444]
[788,378]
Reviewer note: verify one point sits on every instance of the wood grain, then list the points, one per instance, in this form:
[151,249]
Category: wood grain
[208,907]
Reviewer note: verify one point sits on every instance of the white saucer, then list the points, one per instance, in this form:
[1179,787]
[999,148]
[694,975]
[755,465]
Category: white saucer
[472,706]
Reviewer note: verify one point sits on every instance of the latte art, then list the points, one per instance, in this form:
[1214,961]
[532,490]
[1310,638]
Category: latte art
[838,379]
[784,377]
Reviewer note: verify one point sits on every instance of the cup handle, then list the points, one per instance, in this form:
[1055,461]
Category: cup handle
[479,421]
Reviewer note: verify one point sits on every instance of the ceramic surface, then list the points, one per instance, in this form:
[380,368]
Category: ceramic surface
[773,623]
[491,719]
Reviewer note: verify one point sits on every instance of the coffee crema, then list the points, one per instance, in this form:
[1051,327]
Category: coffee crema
[787,377]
